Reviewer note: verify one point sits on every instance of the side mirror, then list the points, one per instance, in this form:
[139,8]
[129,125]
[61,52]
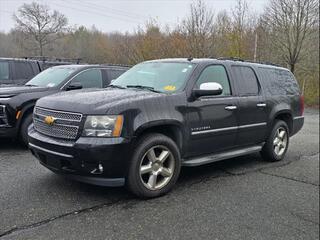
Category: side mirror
[74,86]
[208,89]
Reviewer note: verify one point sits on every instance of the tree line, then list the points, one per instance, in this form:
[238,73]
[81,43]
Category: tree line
[285,33]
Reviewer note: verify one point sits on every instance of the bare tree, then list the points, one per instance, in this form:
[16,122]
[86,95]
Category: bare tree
[239,14]
[290,23]
[199,28]
[40,24]
[223,29]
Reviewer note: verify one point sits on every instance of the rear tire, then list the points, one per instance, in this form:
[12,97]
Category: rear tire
[277,143]
[26,122]
[155,166]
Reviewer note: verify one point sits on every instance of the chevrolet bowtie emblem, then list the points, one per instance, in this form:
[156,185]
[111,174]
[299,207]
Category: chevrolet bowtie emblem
[49,120]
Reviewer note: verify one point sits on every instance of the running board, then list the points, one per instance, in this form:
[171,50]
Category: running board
[192,162]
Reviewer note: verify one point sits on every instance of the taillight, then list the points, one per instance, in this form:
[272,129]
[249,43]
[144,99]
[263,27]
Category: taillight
[301,105]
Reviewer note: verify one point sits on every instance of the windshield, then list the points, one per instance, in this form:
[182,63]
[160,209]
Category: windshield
[165,77]
[51,77]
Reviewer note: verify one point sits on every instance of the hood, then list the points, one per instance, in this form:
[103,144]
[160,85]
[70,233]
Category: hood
[94,101]
[15,90]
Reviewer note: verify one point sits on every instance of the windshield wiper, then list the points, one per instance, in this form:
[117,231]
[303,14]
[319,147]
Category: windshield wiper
[143,87]
[116,86]
[31,85]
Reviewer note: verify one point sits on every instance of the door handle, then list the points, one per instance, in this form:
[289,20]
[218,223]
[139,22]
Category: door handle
[230,108]
[261,105]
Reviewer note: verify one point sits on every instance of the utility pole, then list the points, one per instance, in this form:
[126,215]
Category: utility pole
[255,47]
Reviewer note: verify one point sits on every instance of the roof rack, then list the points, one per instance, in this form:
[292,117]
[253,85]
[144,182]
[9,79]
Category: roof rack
[231,59]
[265,63]
[270,63]
[54,59]
[248,61]
[114,64]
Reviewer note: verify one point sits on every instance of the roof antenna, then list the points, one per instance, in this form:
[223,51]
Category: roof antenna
[190,59]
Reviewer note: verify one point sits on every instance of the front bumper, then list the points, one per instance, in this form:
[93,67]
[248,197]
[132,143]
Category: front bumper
[82,159]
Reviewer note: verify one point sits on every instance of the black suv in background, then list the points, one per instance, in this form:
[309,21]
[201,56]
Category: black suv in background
[17,102]
[16,71]
[164,114]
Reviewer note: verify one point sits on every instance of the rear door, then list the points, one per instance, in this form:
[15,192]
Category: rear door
[252,113]
[113,73]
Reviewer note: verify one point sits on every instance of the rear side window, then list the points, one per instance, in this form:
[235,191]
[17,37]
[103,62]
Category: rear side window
[278,82]
[288,82]
[246,80]
[114,73]
[215,73]
[91,78]
[4,71]
[23,70]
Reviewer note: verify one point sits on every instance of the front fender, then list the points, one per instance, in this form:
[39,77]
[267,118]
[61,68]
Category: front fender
[163,122]
[27,109]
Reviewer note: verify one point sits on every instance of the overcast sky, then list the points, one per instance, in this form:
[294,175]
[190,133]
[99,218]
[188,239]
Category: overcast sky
[119,15]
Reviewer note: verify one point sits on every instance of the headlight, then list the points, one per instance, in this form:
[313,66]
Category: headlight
[103,126]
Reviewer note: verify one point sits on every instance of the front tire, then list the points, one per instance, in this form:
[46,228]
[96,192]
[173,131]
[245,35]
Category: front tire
[155,166]
[277,144]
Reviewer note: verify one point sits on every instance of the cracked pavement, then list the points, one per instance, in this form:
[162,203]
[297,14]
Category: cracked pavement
[240,198]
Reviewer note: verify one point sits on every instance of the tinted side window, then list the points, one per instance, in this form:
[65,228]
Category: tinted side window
[278,82]
[114,73]
[288,82]
[246,80]
[91,78]
[4,71]
[23,70]
[215,73]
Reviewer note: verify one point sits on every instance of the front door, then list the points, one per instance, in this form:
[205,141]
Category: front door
[212,121]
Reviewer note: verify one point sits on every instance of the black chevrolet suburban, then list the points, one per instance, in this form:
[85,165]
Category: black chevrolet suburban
[164,114]
[17,102]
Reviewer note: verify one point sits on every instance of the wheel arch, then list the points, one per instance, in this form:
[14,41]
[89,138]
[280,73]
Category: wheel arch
[170,128]
[286,116]
[25,111]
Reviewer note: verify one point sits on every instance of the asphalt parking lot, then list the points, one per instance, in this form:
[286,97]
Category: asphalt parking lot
[241,198]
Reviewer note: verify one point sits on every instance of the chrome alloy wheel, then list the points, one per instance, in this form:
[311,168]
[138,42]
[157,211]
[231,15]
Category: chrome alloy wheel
[157,167]
[280,141]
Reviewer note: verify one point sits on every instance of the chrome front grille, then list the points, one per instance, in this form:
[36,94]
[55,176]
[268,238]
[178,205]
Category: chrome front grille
[76,117]
[66,124]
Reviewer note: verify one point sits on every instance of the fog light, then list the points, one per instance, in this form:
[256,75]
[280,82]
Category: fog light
[100,168]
